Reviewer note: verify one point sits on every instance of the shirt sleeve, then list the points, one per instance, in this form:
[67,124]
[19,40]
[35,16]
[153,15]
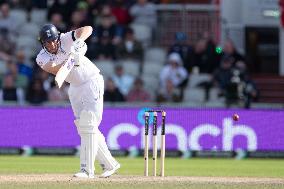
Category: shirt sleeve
[68,38]
[41,60]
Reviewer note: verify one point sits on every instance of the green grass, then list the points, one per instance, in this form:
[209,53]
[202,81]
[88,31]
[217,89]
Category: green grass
[134,166]
[187,185]
[274,168]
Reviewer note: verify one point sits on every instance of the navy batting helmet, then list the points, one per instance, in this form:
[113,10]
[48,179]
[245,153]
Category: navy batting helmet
[49,38]
[48,33]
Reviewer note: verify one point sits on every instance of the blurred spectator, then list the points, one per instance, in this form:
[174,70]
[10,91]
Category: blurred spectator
[104,49]
[105,11]
[120,11]
[9,91]
[175,72]
[36,94]
[127,4]
[144,12]
[214,57]
[234,83]
[130,48]
[23,67]
[64,7]
[6,19]
[204,57]
[76,21]
[105,33]
[169,93]
[83,7]
[251,92]
[56,95]
[222,78]
[57,20]
[182,48]
[112,93]
[93,10]
[40,4]
[138,93]
[229,81]
[28,5]
[200,59]
[224,73]
[21,80]
[230,51]
[7,46]
[16,4]
[122,81]
[107,26]
[46,79]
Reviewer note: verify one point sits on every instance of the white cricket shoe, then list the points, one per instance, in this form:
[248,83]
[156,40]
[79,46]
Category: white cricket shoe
[108,173]
[83,174]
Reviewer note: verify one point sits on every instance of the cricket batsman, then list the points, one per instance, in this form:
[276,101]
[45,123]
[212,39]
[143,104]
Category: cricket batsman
[62,54]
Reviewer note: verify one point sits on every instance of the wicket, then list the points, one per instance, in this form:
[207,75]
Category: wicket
[146,148]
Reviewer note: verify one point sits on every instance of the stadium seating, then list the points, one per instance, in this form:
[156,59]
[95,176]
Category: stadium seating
[3,68]
[151,84]
[195,79]
[271,88]
[106,67]
[152,68]
[26,42]
[155,54]
[213,95]
[38,16]
[142,33]
[30,29]
[20,17]
[194,95]
[131,67]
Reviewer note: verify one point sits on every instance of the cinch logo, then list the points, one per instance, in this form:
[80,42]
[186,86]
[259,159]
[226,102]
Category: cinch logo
[189,139]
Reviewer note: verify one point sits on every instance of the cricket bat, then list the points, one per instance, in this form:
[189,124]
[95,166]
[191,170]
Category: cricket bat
[64,71]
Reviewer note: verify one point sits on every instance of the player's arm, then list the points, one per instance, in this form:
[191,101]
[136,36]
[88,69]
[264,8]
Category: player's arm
[51,68]
[46,65]
[83,33]
[79,47]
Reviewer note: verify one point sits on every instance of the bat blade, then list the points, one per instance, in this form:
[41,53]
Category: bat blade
[64,71]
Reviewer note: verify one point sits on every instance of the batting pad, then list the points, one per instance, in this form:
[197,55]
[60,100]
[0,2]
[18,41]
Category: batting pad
[104,156]
[88,132]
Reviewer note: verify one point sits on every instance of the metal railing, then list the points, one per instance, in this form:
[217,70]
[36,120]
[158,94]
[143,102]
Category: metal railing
[193,20]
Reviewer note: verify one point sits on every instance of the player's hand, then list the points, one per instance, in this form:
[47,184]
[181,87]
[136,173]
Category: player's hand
[79,47]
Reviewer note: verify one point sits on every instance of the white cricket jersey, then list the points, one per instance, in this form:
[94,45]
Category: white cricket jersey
[79,74]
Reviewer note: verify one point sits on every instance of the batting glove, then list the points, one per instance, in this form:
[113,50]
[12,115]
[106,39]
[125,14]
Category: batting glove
[79,48]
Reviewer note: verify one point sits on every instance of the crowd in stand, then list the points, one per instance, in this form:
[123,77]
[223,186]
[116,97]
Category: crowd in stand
[114,40]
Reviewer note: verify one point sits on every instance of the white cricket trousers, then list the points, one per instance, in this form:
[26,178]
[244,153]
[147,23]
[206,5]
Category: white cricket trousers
[89,96]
